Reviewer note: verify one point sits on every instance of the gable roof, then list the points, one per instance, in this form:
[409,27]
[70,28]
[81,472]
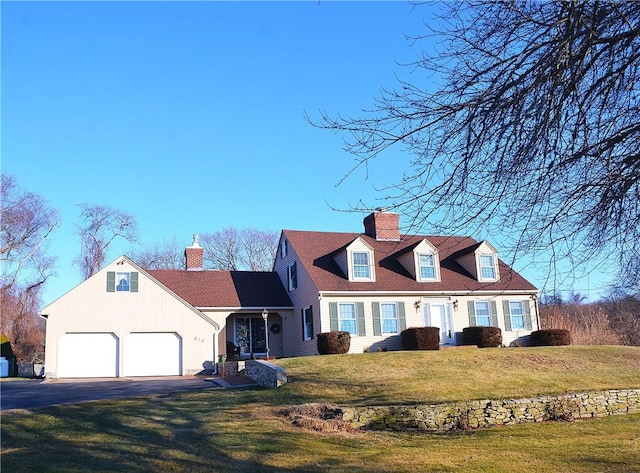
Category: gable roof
[225,288]
[316,251]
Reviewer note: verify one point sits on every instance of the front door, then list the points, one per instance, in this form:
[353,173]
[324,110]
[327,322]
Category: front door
[250,335]
[438,314]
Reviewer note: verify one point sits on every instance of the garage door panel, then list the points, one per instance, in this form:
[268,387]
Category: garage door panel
[152,354]
[88,355]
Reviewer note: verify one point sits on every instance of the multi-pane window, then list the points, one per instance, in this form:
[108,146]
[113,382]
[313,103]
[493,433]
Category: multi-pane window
[347,318]
[487,267]
[483,317]
[389,317]
[517,315]
[292,276]
[427,266]
[307,323]
[361,267]
[284,248]
[122,282]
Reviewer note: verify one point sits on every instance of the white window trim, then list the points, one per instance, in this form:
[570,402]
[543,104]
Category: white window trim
[123,276]
[382,318]
[488,313]
[355,317]
[371,265]
[524,322]
[494,266]
[436,267]
[307,324]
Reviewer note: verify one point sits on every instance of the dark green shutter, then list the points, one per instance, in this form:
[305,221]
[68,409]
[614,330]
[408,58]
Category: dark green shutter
[304,324]
[311,324]
[111,281]
[402,319]
[361,331]
[377,326]
[333,316]
[493,311]
[507,315]
[133,284]
[472,313]
[527,315]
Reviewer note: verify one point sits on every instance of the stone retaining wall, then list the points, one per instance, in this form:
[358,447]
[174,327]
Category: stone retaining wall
[266,374]
[487,413]
[231,368]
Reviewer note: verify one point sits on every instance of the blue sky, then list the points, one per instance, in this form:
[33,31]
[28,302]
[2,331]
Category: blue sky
[190,115]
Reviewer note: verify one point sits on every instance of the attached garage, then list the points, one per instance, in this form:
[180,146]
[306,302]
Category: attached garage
[122,322]
[88,355]
[152,354]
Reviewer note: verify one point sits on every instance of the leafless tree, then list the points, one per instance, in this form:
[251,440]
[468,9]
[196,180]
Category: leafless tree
[532,131]
[27,222]
[163,255]
[246,249]
[100,226]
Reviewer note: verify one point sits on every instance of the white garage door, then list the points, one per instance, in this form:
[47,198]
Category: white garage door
[88,355]
[152,354]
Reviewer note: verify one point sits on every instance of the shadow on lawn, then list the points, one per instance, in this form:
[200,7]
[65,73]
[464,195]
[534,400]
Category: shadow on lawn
[221,432]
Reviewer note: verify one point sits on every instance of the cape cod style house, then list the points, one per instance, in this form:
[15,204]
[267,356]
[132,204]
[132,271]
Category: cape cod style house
[128,321]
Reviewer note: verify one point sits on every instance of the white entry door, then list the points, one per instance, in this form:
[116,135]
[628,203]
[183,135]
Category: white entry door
[152,354]
[439,314]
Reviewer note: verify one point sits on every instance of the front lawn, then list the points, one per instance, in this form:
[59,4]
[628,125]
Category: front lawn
[245,431]
[410,377]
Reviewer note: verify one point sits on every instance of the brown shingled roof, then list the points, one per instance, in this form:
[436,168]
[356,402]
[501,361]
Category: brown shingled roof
[316,251]
[225,288]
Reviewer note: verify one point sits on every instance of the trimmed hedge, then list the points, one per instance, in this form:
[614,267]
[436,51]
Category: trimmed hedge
[421,338]
[334,343]
[552,337]
[482,336]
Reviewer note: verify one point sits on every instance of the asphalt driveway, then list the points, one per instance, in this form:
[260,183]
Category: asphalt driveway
[36,393]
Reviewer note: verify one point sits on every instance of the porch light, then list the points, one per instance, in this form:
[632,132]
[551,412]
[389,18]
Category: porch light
[265,316]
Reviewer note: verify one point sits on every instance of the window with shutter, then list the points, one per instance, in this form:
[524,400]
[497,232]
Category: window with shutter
[292,275]
[307,323]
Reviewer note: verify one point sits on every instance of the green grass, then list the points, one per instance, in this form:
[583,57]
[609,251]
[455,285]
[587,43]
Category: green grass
[245,431]
[455,375]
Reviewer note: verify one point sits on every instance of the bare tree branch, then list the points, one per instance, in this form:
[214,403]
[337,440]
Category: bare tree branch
[27,222]
[100,226]
[533,133]
[247,249]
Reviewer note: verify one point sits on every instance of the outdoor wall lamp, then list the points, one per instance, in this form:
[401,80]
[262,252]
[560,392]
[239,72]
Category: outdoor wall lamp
[416,304]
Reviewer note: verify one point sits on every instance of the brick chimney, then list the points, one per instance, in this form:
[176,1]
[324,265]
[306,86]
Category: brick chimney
[194,256]
[382,225]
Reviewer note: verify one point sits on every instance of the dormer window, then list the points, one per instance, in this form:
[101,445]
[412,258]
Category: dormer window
[427,263]
[487,266]
[361,267]
[357,261]
[421,261]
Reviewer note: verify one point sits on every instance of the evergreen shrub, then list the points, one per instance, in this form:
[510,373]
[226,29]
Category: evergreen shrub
[421,338]
[334,343]
[483,337]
